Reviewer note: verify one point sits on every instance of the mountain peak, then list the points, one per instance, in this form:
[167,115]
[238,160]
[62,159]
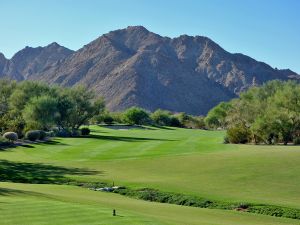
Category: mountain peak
[54,44]
[2,56]
[138,28]
[136,67]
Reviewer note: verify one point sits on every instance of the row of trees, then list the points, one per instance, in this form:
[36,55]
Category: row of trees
[139,116]
[269,114]
[32,105]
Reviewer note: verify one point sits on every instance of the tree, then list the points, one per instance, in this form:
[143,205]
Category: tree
[216,117]
[36,105]
[6,89]
[77,105]
[270,113]
[41,113]
[135,115]
[25,91]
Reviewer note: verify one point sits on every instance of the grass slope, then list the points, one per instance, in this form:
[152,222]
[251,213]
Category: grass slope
[179,160]
[57,204]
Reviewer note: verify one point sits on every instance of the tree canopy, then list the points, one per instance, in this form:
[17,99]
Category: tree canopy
[34,105]
[267,114]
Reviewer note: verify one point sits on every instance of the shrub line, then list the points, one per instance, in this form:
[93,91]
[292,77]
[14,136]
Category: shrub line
[153,195]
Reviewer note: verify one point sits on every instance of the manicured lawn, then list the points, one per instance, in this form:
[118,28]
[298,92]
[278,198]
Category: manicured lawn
[176,160]
[67,205]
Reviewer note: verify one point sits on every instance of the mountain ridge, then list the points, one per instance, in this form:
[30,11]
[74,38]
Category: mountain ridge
[136,67]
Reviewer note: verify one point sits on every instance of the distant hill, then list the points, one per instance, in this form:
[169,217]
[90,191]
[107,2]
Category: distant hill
[134,66]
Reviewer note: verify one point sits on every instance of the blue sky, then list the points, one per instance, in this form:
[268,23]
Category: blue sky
[267,30]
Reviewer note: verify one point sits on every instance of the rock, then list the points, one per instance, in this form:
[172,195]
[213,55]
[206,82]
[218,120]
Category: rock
[136,67]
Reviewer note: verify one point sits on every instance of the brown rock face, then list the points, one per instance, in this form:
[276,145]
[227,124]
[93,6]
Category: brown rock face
[30,61]
[133,66]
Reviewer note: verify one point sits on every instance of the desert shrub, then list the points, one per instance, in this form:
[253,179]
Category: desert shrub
[75,133]
[161,117]
[195,122]
[138,116]
[238,134]
[11,136]
[174,122]
[3,141]
[187,200]
[296,141]
[118,117]
[275,211]
[63,133]
[85,131]
[226,140]
[108,119]
[32,135]
[243,205]
[182,118]
[67,133]
[50,133]
[43,135]
[104,117]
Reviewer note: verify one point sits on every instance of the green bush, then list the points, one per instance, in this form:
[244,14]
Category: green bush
[11,136]
[108,119]
[3,141]
[238,134]
[296,141]
[138,116]
[32,135]
[75,133]
[43,135]
[187,200]
[63,133]
[50,134]
[275,211]
[161,117]
[226,140]
[174,122]
[105,117]
[85,131]
[118,117]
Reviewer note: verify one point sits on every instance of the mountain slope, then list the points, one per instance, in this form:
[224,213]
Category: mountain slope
[30,61]
[134,66]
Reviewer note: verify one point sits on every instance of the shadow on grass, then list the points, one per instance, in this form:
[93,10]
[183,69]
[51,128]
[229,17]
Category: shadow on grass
[30,144]
[7,145]
[163,127]
[125,127]
[50,142]
[122,138]
[37,173]
[6,191]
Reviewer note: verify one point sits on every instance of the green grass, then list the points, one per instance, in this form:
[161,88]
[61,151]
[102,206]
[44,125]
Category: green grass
[36,204]
[174,160]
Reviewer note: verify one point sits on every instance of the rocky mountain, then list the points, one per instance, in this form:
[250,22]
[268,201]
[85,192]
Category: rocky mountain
[134,66]
[31,61]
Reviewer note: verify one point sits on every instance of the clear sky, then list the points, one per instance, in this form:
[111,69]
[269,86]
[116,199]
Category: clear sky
[267,30]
